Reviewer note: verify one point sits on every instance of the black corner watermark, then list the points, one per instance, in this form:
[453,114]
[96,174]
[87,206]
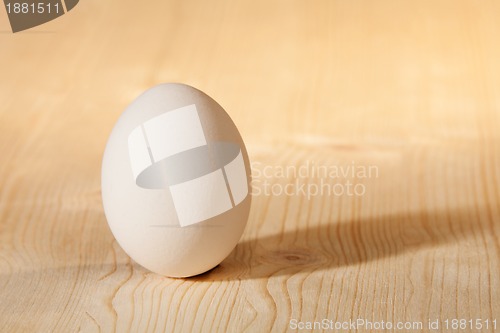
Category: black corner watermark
[26,14]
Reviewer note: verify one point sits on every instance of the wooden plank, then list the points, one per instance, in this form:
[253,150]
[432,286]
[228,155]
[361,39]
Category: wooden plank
[411,89]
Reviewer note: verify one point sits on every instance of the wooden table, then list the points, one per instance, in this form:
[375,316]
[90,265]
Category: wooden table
[410,89]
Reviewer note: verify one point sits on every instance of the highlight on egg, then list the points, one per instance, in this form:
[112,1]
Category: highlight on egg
[176,181]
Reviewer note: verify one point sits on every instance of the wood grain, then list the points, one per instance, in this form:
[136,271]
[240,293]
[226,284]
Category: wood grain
[412,88]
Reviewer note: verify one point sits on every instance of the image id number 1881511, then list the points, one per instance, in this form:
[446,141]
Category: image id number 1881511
[32,8]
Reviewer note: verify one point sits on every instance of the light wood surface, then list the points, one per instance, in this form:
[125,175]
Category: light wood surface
[412,88]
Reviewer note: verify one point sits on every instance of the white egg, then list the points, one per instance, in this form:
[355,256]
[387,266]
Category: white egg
[176,181]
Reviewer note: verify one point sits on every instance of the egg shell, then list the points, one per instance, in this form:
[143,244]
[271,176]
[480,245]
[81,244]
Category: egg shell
[156,198]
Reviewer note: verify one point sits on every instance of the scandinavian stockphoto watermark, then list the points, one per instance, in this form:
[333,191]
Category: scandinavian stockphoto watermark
[312,179]
[364,324]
